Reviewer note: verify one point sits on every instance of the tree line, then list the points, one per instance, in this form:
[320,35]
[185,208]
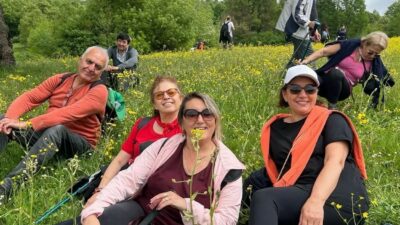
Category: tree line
[67,27]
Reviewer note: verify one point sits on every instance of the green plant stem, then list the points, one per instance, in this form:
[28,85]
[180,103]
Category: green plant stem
[212,206]
[197,149]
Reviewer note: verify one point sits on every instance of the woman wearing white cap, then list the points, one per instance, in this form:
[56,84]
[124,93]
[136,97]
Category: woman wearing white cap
[314,167]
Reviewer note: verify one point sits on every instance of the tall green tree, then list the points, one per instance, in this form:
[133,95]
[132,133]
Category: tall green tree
[335,13]
[6,53]
[393,19]
[218,8]
[153,24]
[252,17]
[375,22]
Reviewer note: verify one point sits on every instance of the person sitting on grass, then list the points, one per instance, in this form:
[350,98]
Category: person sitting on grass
[71,124]
[158,178]
[166,99]
[124,57]
[314,167]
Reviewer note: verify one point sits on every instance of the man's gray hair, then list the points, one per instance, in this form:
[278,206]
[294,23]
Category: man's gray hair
[100,49]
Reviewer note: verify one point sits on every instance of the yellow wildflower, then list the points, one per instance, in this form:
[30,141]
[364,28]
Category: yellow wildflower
[197,134]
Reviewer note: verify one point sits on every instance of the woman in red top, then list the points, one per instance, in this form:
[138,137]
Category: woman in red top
[166,99]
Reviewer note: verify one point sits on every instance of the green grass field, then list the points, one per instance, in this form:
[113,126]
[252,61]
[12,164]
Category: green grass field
[244,82]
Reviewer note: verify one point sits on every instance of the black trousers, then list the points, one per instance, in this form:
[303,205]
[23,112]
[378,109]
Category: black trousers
[282,206]
[120,83]
[42,146]
[121,213]
[334,86]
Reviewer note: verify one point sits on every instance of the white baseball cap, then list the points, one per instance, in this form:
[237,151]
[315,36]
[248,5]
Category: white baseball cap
[301,71]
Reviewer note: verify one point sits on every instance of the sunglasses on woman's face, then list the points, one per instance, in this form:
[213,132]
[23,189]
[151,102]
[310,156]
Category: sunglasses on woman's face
[372,53]
[193,115]
[170,92]
[295,89]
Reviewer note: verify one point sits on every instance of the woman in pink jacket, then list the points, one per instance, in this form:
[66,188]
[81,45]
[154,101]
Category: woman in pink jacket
[158,180]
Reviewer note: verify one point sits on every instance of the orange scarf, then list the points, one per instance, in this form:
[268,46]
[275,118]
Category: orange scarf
[303,146]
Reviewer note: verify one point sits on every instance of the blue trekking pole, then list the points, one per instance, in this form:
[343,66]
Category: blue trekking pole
[67,199]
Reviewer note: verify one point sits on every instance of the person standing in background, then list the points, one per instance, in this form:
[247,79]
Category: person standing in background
[297,18]
[226,33]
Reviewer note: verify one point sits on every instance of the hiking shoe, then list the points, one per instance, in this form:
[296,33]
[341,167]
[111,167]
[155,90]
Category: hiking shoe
[3,141]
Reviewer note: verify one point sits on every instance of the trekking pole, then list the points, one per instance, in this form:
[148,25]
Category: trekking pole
[66,199]
[293,55]
[310,32]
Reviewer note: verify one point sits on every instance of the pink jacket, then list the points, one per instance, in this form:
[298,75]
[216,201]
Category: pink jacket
[130,181]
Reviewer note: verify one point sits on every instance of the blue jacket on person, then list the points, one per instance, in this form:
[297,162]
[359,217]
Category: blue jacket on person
[347,47]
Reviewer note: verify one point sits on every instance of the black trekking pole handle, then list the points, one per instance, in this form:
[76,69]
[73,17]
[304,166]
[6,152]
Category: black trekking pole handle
[317,25]
[312,33]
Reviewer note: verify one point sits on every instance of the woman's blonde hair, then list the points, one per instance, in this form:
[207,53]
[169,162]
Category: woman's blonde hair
[376,38]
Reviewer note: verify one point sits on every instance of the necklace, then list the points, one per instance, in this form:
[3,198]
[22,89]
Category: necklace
[199,162]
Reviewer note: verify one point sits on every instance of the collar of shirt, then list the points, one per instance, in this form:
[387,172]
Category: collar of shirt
[121,56]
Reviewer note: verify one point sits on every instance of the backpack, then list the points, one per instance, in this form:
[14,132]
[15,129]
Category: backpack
[115,107]
[225,30]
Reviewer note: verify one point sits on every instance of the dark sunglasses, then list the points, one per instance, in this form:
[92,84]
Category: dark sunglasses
[170,92]
[372,53]
[295,89]
[193,115]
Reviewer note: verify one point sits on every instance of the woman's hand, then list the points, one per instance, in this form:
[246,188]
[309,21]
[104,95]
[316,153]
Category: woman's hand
[168,198]
[91,220]
[91,200]
[302,62]
[312,212]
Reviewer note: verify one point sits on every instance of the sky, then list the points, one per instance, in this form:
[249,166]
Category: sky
[378,5]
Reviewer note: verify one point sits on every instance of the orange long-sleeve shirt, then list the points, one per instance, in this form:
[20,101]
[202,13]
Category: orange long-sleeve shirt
[77,109]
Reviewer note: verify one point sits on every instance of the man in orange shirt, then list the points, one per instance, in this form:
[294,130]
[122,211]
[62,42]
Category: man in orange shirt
[71,124]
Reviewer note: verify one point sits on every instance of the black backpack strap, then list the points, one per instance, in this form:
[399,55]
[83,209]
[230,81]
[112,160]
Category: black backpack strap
[63,78]
[66,75]
[143,122]
[92,85]
[97,82]
[165,141]
[231,176]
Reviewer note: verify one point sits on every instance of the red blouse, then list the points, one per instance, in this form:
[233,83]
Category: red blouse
[146,135]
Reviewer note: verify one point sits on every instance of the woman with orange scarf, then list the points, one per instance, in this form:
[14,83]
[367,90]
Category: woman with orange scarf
[314,166]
